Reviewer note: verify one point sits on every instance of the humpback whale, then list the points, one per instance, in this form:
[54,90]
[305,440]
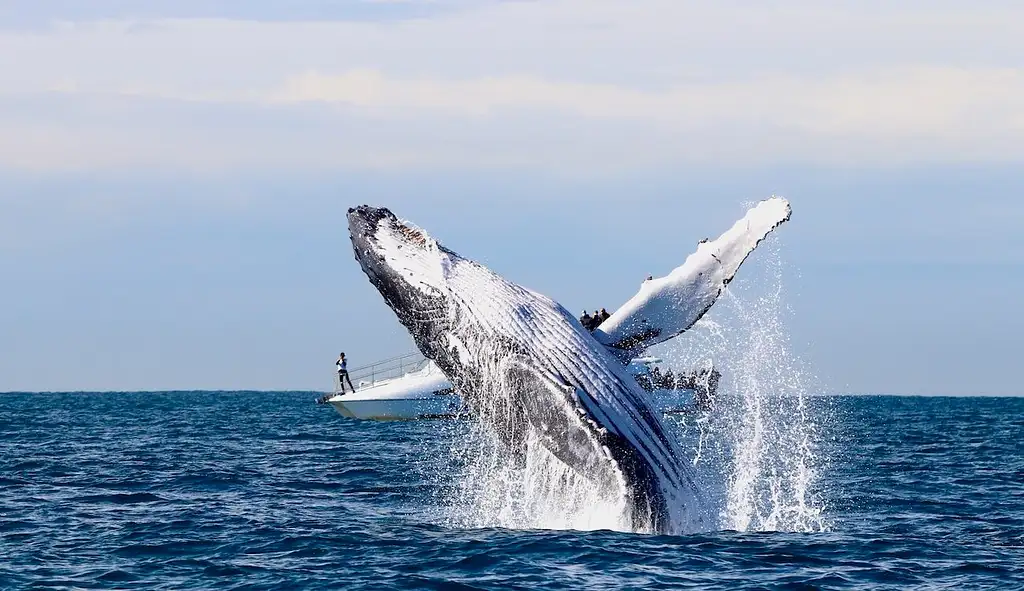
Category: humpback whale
[529,370]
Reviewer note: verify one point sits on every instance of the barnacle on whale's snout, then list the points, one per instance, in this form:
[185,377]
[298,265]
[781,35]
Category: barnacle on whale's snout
[413,234]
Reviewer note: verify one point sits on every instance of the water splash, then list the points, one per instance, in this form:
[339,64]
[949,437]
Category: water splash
[758,447]
[505,476]
[537,491]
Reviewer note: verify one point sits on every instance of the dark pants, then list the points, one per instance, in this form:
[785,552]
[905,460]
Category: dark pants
[342,378]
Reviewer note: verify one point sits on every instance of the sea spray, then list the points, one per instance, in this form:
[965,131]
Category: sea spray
[523,485]
[757,448]
[537,491]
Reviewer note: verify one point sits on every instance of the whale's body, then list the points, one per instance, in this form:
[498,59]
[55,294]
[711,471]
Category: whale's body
[528,369]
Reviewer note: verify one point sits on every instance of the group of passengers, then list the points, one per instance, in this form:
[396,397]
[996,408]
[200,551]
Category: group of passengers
[591,322]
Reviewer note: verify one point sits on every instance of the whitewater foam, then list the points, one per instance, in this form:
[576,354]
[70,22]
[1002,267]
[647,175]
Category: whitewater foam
[537,491]
[758,449]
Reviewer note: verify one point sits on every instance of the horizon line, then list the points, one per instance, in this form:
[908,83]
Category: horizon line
[307,391]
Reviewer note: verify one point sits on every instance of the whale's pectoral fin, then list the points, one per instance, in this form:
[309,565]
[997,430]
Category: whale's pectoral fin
[669,305]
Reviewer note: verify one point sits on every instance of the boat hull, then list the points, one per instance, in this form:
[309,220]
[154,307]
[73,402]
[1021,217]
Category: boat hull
[438,407]
[423,395]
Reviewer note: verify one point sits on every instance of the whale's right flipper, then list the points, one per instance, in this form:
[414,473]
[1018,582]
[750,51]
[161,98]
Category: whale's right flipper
[667,306]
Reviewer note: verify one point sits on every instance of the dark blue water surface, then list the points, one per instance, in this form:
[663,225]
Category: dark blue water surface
[268,490]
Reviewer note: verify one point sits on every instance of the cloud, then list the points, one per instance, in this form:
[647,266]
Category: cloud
[15,14]
[559,85]
[926,101]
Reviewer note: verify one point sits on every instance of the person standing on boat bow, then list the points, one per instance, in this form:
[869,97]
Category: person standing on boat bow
[342,365]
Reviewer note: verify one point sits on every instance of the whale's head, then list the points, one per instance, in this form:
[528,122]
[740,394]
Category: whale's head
[407,267]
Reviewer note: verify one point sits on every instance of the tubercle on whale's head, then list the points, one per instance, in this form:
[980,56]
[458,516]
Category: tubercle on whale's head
[406,265]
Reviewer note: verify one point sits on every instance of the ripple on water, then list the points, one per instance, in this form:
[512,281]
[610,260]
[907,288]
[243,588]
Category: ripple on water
[267,490]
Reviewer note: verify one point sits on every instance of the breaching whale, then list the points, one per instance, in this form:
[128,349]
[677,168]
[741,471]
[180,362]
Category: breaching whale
[527,368]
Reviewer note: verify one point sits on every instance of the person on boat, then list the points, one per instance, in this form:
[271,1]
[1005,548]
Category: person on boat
[604,315]
[342,366]
[587,321]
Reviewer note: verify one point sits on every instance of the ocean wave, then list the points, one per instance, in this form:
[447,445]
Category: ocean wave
[921,493]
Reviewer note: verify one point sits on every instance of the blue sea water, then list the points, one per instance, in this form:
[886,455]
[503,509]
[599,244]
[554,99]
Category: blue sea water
[246,490]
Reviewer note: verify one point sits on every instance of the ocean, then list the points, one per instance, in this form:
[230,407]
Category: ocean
[267,490]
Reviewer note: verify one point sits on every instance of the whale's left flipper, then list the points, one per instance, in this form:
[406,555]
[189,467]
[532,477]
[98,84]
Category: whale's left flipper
[667,306]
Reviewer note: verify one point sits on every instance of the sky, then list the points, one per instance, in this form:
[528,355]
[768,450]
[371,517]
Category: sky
[174,175]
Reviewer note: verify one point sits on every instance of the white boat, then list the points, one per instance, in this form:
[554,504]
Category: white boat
[412,387]
[422,393]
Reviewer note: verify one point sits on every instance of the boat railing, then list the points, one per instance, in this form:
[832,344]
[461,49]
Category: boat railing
[395,367]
